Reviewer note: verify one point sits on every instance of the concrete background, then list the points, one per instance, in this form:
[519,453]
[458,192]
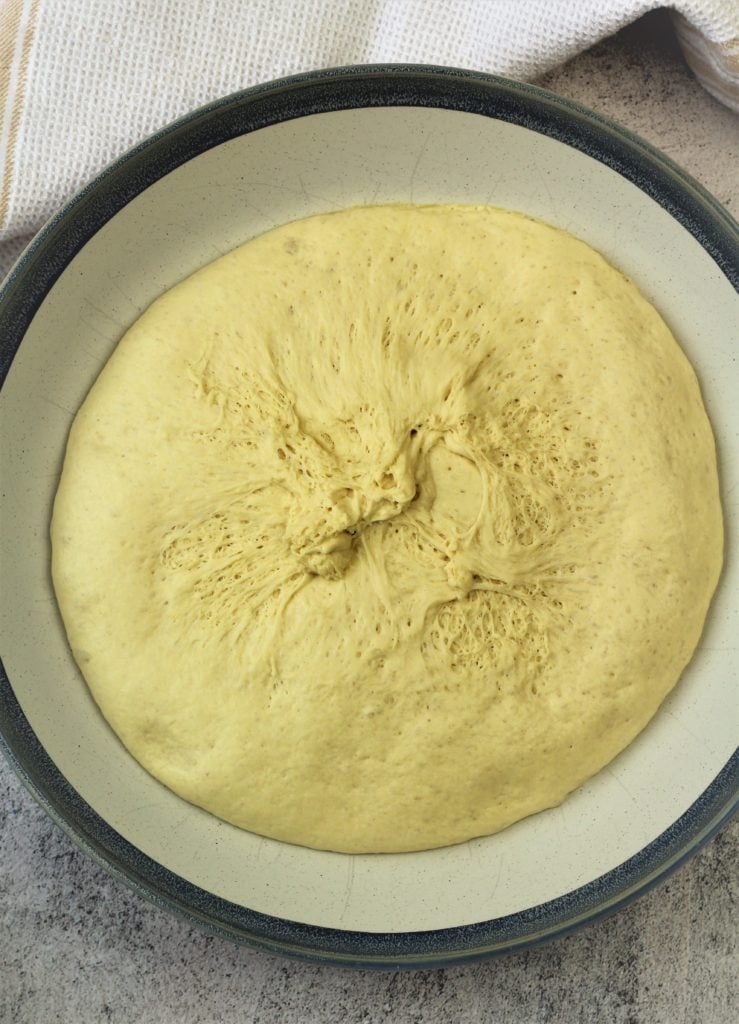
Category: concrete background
[78,947]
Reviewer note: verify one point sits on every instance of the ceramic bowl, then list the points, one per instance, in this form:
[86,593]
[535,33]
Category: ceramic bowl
[310,144]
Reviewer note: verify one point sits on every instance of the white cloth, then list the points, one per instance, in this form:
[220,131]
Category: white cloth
[82,80]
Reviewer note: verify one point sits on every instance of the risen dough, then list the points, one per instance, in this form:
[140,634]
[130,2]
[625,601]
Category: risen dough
[389,528]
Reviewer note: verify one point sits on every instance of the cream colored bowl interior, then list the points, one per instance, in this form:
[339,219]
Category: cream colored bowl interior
[208,206]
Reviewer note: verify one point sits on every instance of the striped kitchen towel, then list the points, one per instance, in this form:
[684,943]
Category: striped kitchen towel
[81,80]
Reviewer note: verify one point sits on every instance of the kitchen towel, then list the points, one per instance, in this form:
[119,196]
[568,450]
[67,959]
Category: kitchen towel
[82,80]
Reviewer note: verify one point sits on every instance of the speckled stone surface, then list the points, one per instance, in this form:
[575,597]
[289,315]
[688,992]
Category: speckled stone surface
[78,947]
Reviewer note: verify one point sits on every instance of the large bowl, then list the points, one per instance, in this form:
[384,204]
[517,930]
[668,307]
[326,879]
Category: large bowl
[304,145]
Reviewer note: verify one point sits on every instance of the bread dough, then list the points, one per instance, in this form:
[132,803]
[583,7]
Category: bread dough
[388,528]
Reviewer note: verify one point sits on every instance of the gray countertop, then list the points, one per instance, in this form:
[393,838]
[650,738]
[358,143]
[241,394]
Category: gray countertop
[77,946]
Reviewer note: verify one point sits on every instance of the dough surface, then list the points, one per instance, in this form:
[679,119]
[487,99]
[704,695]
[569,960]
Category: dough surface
[389,528]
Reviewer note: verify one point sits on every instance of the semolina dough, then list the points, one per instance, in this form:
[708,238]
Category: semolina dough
[389,528]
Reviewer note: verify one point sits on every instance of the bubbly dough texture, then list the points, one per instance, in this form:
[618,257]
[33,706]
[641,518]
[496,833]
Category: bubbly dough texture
[388,528]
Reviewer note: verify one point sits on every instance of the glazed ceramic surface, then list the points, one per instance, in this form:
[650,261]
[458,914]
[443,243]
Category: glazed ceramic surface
[313,144]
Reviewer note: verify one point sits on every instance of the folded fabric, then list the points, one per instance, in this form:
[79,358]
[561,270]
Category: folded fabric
[81,81]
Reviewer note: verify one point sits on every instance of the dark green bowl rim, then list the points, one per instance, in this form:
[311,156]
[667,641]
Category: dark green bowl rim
[25,289]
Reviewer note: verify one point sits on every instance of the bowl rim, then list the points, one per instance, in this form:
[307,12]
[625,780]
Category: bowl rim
[28,283]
